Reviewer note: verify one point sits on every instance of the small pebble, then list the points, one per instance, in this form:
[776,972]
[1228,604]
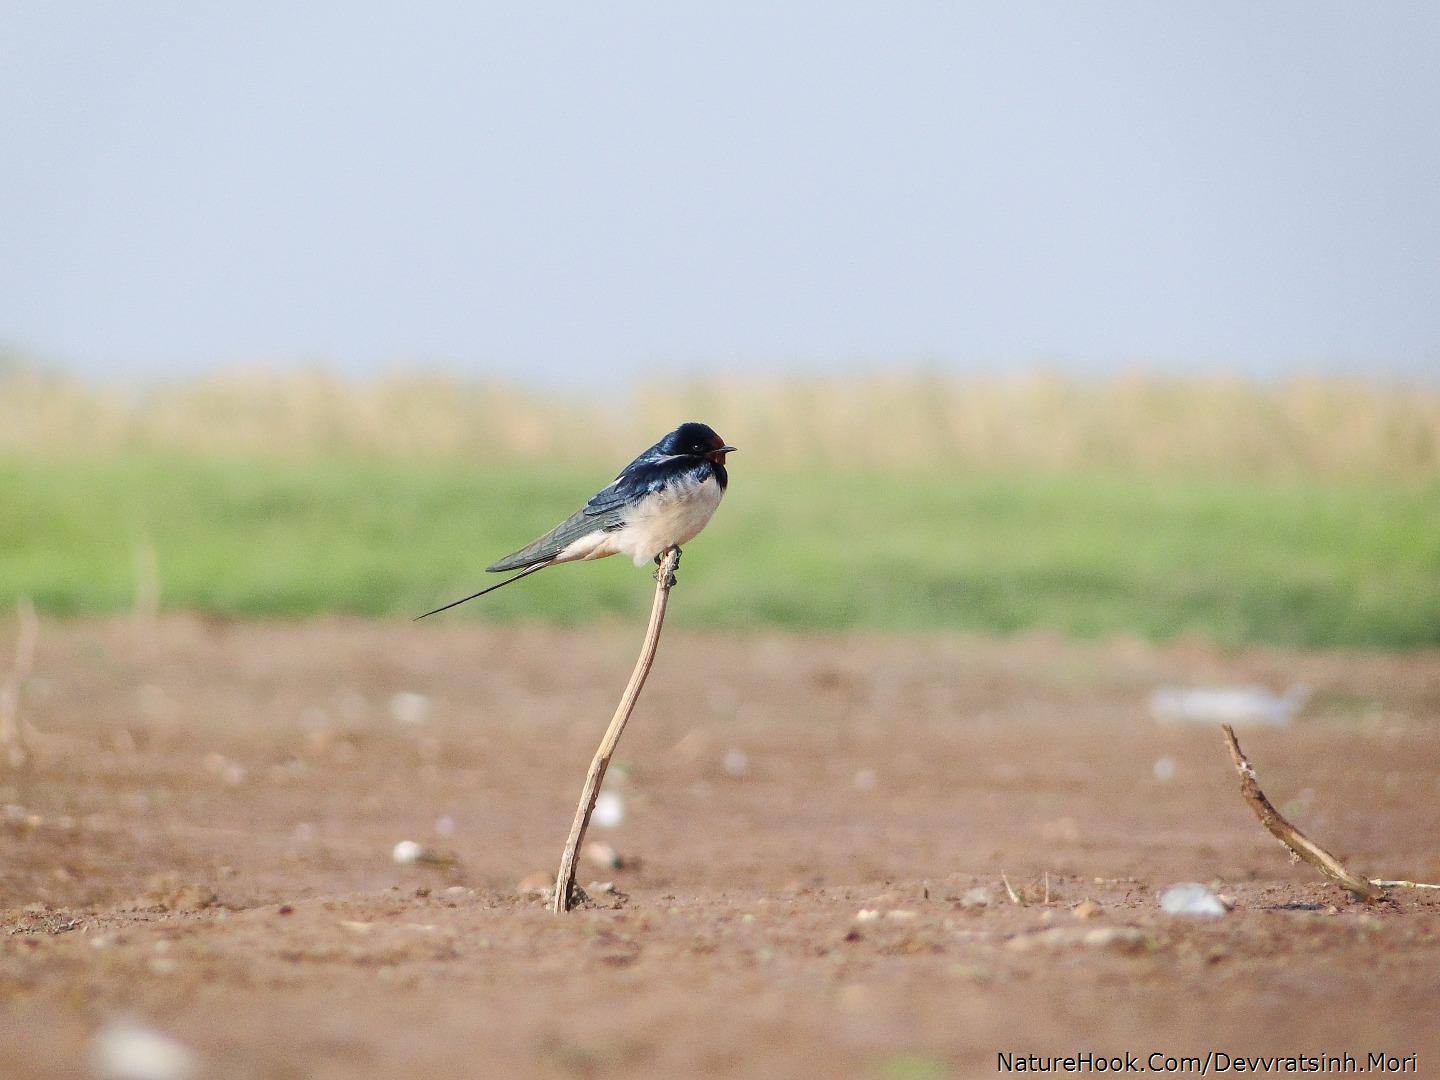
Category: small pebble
[609,810]
[407,852]
[1191,898]
[127,1051]
[605,855]
[1086,909]
[408,707]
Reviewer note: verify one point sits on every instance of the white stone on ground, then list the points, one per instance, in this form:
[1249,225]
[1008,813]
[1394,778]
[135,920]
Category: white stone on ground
[408,707]
[407,852]
[1191,898]
[609,810]
[126,1051]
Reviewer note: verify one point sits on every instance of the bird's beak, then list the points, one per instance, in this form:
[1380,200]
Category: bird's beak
[718,456]
[726,450]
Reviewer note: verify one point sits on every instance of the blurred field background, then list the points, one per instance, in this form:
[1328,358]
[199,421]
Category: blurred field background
[1296,512]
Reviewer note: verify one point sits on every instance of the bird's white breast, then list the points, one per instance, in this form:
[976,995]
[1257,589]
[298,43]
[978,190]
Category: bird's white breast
[672,516]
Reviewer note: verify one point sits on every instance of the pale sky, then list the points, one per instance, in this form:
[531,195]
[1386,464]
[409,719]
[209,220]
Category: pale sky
[565,190]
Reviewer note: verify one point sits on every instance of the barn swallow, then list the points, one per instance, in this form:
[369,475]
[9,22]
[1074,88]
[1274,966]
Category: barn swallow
[660,500]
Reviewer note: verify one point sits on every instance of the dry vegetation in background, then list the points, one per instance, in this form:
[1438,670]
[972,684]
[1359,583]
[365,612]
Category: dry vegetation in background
[1298,513]
[1320,427]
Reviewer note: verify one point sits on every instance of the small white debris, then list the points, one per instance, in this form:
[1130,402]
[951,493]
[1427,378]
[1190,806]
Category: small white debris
[1191,898]
[1164,769]
[736,762]
[408,707]
[609,810]
[978,897]
[407,852]
[1227,705]
[603,854]
[867,915]
[902,915]
[864,779]
[127,1051]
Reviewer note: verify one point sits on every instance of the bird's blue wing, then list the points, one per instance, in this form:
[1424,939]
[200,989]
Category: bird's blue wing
[640,478]
[581,523]
[648,473]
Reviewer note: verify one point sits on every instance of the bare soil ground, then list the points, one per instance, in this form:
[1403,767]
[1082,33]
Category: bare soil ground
[202,843]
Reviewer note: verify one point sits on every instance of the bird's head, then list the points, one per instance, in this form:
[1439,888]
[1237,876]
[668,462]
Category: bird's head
[696,440]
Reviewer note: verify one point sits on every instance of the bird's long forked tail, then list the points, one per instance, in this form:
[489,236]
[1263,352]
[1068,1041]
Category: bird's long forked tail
[482,592]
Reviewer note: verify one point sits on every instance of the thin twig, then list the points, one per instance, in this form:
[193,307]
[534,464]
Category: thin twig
[565,880]
[1382,883]
[1010,891]
[1300,845]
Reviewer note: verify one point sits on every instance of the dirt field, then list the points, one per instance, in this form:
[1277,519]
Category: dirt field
[202,843]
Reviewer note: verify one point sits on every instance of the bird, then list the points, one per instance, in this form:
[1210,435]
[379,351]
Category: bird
[659,501]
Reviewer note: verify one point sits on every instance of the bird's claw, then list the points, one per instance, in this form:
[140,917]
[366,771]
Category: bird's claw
[670,579]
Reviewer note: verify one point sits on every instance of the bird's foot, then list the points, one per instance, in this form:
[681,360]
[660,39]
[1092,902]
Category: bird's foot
[670,579]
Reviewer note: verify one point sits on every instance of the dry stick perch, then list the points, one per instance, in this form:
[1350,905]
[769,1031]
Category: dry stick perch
[565,880]
[1300,845]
